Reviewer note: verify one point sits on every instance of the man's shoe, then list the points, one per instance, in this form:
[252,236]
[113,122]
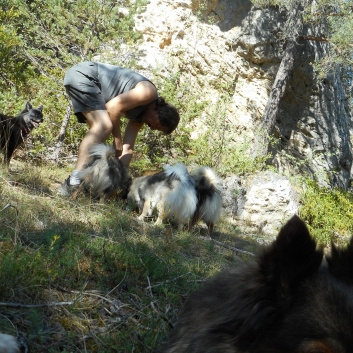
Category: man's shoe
[66,189]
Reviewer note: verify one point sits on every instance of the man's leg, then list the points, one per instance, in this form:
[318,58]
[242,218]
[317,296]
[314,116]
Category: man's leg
[100,129]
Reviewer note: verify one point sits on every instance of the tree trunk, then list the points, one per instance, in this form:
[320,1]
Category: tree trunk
[59,143]
[292,30]
[268,120]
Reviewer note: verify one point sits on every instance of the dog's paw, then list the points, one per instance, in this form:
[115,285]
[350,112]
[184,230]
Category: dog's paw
[181,226]
[141,217]
[158,222]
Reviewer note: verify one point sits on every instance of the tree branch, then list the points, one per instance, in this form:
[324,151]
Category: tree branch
[60,141]
[315,38]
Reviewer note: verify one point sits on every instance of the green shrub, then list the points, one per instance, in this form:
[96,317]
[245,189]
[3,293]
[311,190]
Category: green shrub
[328,212]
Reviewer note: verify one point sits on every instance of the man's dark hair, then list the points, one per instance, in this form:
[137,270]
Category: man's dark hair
[168,115]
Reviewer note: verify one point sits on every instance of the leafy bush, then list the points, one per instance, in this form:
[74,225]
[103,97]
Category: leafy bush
[40,40]
[328,212]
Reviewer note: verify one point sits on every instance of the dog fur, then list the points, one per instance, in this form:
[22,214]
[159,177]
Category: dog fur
[14,129]
[171,192]
[8,344]
[289,300]
[209,197]
[104,175]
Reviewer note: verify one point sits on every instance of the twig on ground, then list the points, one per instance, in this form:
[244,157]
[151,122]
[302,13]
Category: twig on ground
[149,287]
[236,250]
[86,293]
[7,206]
[158,312]
[196,280]
[118,283]
[161,315]
[6,181]
[29,306]
[167,281]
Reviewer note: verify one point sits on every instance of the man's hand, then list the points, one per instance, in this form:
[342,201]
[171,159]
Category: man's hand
[131,131]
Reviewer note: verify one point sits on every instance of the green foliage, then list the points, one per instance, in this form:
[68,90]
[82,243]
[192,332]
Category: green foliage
[152,149]
[40,40]
[14,68]
[338,19]
[262,4]
[219,148]
[57,34]
[329,213]
[218,145]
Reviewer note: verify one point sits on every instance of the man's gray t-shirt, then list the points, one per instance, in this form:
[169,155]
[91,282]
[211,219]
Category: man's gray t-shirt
[116,80]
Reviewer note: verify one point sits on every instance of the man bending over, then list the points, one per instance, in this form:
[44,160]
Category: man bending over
[101,94]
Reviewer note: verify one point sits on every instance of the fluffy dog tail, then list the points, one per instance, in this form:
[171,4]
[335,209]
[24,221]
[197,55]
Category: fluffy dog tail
[209,194]
[104,174]
[178,171]
[181,198]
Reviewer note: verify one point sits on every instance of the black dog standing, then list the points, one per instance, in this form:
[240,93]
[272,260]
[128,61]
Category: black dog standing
[14,129]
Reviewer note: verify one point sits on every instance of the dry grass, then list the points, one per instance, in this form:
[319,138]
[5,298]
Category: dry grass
[77,276]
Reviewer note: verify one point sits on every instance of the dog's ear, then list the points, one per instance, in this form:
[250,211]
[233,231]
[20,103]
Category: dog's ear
[340,262]
[292,258]
[40,108]
[28,106]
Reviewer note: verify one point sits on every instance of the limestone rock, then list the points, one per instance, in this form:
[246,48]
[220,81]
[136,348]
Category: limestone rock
[265,201]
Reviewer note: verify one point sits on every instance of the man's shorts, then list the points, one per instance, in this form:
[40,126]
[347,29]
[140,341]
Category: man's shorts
[82,85]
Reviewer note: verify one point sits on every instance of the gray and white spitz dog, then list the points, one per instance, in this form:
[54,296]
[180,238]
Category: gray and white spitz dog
[104,175]
[171,192]
[9,344]
[178,195]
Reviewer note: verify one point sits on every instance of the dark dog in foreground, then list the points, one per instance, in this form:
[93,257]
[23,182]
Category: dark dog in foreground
[104,176]
[9,344]
[289,300]
[14,129]
[178,195]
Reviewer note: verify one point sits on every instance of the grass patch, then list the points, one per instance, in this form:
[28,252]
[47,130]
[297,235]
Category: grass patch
[328,213]
[87,277]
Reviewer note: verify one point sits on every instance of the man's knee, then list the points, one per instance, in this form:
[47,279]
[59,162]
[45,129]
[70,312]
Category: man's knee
[102,128]
[99,121]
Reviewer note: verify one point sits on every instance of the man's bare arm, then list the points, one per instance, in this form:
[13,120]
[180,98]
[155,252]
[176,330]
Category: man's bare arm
[130,135]
[144,92]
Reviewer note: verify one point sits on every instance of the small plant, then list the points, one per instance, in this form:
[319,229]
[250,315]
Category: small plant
[328,212]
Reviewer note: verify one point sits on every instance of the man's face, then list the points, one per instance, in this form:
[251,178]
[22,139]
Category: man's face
[155,124]
[152,120]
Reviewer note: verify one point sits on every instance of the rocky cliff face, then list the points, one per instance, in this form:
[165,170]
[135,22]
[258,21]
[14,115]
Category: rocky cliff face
[229,42]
